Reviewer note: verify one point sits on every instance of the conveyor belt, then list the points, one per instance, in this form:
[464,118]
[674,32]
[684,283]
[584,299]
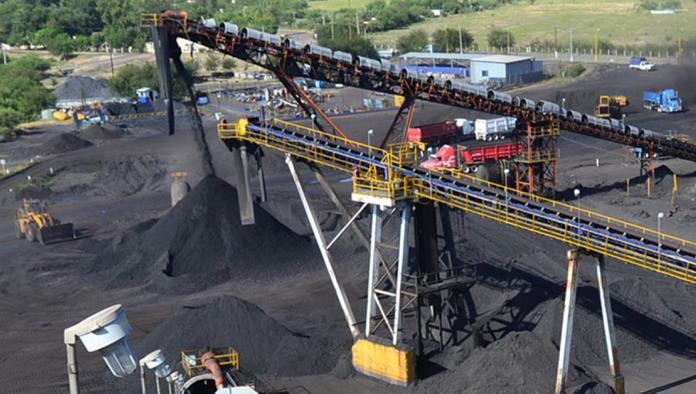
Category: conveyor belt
[288,58]
[392,175]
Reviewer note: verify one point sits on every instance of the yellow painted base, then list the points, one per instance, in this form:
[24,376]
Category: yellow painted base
[392,364]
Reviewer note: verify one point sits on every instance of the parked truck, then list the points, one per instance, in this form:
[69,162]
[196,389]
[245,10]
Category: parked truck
[641,64]
[436,132]
[469,159]
[494,129]
[667,100]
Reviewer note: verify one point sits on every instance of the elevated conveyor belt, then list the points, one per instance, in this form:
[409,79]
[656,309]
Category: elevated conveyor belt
[288,58]
[386,176]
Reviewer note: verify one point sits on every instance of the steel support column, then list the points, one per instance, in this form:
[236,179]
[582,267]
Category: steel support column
[567,330]
[246,205]
[321,243]
[248,197]
[373,270]
[608,322]
[72,369]
[401,269]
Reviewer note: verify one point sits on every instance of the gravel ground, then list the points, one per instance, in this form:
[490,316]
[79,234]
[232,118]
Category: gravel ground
[262,289]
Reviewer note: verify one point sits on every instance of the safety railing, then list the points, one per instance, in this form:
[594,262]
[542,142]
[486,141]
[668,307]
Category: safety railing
[374,184]
[571,209]
[536,156]
[149,20]
[305,146]
[549,225]
[192,364]
[388,176]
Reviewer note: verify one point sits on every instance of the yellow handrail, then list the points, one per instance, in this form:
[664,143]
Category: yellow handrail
[384,178]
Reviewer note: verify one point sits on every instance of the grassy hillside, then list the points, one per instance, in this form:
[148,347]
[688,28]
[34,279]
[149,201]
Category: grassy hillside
[618,20]
[332,5]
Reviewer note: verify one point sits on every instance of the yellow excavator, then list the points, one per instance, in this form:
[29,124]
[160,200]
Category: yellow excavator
[610,106]
[35,223]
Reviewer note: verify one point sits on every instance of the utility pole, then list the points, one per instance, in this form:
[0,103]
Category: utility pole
[111,58]
[461,45]
[357,24]
[596,46]
[571,45]
[4,55]
[332,26]
[555,42]
[508,41]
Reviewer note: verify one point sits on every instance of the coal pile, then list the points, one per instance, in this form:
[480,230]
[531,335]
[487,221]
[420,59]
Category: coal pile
[81,88]
[103,132]
[200,243]
[264,345]
[62,143]
[518,363]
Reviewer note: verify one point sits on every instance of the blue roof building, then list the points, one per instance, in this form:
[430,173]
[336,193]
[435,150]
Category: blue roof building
[507,69]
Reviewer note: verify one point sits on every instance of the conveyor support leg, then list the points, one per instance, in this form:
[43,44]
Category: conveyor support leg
[321,243]
[608,322]
[567,328]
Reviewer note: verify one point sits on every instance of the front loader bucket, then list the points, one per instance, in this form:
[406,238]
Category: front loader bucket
[56,232]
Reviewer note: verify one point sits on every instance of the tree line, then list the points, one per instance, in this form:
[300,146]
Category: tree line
[452,40]
[66,26]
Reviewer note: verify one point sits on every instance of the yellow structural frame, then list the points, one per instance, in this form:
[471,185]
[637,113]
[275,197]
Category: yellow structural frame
[192,364]
[385,180]
[393,364]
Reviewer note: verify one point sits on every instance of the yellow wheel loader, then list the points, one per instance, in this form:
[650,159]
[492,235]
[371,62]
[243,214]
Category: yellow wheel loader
[35,223]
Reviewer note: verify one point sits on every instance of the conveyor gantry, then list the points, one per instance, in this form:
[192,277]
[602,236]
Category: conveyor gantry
[385,176]
[287,59]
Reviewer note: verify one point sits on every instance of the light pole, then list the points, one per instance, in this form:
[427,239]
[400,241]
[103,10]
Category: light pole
[576,193]
[506,172]
[369,138]
[313,116]
[659,235]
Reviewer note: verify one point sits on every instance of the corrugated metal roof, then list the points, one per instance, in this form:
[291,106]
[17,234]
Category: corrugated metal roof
[503,59]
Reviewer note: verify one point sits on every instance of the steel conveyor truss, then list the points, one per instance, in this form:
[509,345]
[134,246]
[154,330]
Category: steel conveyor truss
[391,175]
[285,57]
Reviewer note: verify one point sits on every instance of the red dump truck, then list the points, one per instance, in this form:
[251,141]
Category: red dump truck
[432,132]
[468,159]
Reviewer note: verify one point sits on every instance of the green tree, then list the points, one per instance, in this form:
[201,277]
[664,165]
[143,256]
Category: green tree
[228,63]
[498,38]
[121,20]
[131,77]
[358,46]
[22,96]
[448,39]
[56,42]
[211,62]
[412,41]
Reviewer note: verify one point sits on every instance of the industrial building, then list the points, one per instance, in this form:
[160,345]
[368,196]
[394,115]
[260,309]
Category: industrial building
[505,68]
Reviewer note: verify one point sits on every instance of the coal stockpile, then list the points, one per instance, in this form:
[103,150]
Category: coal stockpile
[103,132]
[81,88]
[518,363]
[200,243]
[62,143]
[264,345]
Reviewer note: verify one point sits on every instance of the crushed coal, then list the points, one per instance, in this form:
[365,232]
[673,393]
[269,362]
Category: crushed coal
[518,363]
[200,242]
[64,142]
[103,132]
[82,88]
[265,346]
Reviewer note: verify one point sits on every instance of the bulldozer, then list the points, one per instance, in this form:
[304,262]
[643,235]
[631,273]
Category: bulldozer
[610,106]
[36,224]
